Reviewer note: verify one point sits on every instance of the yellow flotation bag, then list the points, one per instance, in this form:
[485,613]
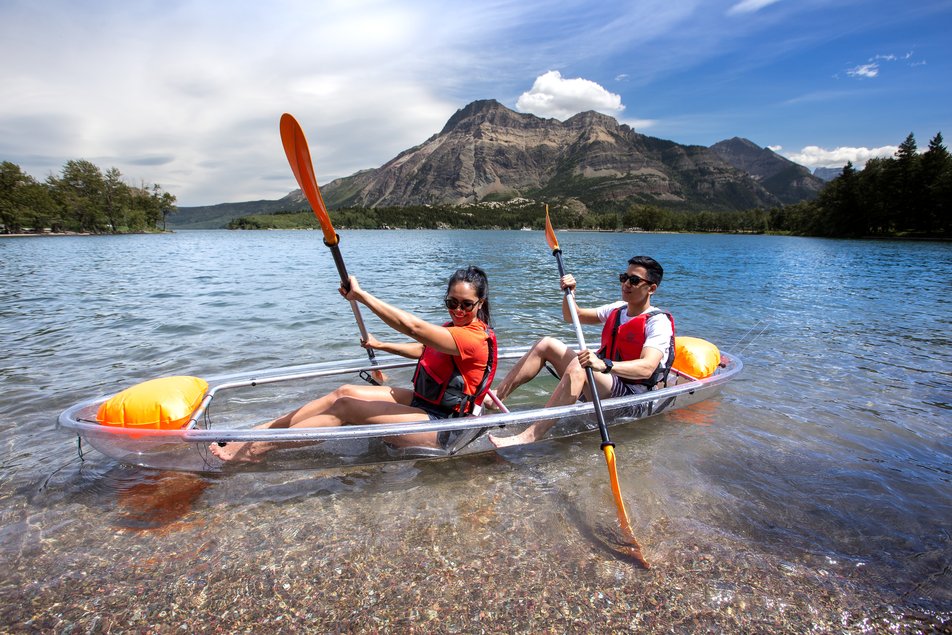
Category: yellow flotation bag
[162,404]
[695,357]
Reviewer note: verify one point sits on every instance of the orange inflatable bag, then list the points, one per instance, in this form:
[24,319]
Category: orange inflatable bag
[166,403]
[695,357]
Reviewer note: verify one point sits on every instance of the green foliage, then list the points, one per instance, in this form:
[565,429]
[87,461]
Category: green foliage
[515,215]
[908,195]
[80,199]
[24,203]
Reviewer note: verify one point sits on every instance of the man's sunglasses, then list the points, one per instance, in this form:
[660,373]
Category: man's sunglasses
[453,304]
[631,279]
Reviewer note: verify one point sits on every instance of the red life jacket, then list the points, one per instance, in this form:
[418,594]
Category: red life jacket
[624,343]
[438,380]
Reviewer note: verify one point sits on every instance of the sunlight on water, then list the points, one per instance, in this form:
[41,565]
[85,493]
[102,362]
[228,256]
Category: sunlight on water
[813,493]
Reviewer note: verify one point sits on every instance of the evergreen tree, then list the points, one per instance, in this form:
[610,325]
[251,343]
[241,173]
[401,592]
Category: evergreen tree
[907,205]
[936,170]
[843,214]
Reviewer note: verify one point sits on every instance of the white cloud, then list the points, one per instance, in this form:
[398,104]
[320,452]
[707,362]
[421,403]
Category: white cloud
[190,96]
[864,70]
[872,67]
[817,157]
[775,148]
[552,95]
[750,6]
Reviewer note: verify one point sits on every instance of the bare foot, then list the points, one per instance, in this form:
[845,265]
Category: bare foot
[526,436]
[234,451]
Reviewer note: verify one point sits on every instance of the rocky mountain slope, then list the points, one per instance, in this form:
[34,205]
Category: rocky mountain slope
[488,152]
[788,181]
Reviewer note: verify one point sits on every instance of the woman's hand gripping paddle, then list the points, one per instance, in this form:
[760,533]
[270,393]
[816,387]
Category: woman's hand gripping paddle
[634,548]
[295,146]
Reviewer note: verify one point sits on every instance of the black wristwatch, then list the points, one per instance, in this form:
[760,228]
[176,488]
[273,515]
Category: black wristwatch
[608,366]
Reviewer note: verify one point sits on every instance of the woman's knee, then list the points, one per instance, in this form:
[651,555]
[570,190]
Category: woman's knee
[346,408]
[347,391]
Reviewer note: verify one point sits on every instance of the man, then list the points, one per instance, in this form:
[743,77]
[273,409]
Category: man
[636,353]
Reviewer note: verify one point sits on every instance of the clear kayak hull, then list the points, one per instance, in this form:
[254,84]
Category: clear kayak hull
[235,403]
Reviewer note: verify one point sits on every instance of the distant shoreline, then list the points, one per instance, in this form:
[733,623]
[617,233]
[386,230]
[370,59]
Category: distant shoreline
[43,234]
[568,229]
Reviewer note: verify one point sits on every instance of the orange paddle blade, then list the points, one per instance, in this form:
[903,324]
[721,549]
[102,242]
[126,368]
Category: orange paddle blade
[549,232]
[616,488]
[295,146]
[633,548]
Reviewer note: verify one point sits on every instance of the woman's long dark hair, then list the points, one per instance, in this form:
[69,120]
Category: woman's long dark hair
[476,277]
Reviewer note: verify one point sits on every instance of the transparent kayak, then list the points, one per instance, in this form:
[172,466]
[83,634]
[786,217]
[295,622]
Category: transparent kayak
[234,403]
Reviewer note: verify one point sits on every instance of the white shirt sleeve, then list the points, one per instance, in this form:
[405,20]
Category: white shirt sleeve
[658,334]
[603,311]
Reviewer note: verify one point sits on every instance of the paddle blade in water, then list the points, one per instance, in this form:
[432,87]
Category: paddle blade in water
[633,547]
[299,156]
[549,232]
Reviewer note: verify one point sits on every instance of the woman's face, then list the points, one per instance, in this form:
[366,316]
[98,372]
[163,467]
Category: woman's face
[462,303]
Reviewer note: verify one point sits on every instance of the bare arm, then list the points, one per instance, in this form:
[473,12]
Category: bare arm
[641,368]
[585,316]
[432,335]
[411,350]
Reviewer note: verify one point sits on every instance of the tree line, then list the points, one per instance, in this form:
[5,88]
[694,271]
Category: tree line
[909,194]
[906,195]
[80,199]
[502,216]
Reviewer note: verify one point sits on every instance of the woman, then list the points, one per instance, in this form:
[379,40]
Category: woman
[457,363]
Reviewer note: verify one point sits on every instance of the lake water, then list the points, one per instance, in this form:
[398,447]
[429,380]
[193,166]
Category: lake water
[813,494]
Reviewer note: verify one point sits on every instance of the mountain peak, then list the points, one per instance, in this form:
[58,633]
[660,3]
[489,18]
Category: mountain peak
[477,112]
[790,181]
[737,144]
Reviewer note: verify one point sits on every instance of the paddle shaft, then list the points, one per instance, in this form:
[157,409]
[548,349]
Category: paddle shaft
[593,387]
[299,157]
[345,281]
[608,448]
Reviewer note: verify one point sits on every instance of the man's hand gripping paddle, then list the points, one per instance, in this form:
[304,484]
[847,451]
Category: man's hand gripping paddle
[295,146]
[634,548]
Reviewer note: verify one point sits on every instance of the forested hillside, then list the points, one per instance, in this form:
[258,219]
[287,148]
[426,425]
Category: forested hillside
[81,199]
[908,195]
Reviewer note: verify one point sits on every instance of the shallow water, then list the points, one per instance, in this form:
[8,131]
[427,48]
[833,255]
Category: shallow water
[812,494]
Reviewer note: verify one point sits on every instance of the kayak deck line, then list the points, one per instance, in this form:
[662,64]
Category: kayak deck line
[186,448]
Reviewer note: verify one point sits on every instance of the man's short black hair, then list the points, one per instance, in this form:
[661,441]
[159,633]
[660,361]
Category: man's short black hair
[654,270]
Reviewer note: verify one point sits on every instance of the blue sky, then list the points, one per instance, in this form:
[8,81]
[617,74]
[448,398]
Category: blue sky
[188,94]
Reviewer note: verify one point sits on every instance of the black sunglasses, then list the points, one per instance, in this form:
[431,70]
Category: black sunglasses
[632,279]
[453,304]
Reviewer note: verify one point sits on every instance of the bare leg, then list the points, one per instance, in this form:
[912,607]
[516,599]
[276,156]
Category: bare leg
[250,451]
[574,381]
[349,410]
[548,349]
[323,404]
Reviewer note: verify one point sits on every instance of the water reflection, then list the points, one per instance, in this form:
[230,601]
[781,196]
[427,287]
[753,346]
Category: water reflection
[812,495]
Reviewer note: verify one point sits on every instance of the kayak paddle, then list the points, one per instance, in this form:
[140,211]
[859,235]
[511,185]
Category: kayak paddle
[295,147]
[607,446]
